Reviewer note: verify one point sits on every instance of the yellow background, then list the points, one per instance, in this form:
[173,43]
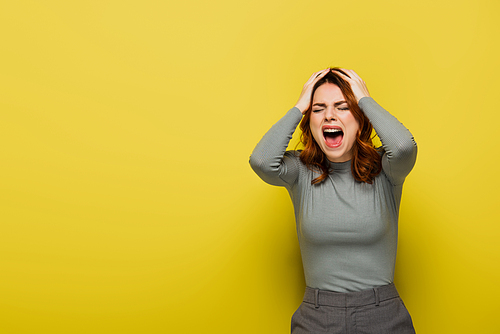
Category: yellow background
[127,202]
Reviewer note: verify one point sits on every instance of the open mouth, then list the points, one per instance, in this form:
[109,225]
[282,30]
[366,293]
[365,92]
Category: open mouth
[333,137]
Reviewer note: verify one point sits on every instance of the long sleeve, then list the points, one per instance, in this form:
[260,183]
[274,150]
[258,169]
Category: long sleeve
[270,160]
[400,149]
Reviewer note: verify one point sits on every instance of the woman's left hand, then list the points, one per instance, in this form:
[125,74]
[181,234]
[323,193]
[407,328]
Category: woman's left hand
[358,86]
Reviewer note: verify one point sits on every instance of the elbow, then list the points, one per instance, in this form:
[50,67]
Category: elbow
[409,147]
[254,164]
[261,166]
[407,150]
[267,170]
[258,165]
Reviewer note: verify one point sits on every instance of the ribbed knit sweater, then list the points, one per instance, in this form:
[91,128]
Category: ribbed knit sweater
[347,230]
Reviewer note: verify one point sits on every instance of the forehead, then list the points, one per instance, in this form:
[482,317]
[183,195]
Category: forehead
[328,93]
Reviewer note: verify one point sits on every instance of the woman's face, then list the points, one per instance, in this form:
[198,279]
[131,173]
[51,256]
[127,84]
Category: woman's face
[332,125]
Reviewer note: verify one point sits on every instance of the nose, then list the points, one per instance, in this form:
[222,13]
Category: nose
[330,114]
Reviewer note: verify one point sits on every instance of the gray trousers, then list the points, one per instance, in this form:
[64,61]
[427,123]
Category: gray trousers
[374,311]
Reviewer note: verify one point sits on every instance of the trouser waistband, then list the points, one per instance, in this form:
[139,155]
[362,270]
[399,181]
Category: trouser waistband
[350,299]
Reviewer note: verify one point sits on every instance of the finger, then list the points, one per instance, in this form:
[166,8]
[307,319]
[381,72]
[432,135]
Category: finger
[355,75]
[318,75]
[343,73]
[321,74]
[313,76]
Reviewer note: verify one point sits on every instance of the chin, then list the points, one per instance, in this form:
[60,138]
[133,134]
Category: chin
[339,159]
[341,156]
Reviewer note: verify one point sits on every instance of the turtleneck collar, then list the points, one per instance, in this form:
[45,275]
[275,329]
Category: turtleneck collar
[341,166]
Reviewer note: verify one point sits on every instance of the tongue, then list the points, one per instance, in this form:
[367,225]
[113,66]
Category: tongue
[334,140]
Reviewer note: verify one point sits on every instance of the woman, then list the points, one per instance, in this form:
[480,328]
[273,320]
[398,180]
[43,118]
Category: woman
[346,196]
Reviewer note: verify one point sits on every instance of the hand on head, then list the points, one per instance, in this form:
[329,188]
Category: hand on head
[358,86]
[305,96]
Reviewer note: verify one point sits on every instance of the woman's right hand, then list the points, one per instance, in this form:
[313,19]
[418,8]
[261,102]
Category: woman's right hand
[305,97]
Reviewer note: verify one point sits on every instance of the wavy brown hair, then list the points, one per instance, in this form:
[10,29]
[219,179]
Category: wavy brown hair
[366,161]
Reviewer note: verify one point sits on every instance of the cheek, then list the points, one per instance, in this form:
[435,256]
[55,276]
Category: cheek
[352,125]
[314,126]
[313,120]
[356,127]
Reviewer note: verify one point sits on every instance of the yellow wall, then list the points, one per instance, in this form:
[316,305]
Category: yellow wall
[127,202]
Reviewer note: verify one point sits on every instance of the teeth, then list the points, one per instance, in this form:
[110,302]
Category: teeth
[332,130]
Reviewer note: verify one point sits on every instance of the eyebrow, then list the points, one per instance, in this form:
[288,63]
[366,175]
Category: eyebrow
[336,104]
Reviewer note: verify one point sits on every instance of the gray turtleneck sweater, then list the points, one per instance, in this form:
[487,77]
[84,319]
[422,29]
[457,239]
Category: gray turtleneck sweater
[347,230]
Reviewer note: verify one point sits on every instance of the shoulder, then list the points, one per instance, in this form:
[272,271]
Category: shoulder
[292,160]
[293,155]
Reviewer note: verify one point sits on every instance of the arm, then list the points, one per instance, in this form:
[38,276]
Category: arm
[400,149]
[268,159]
